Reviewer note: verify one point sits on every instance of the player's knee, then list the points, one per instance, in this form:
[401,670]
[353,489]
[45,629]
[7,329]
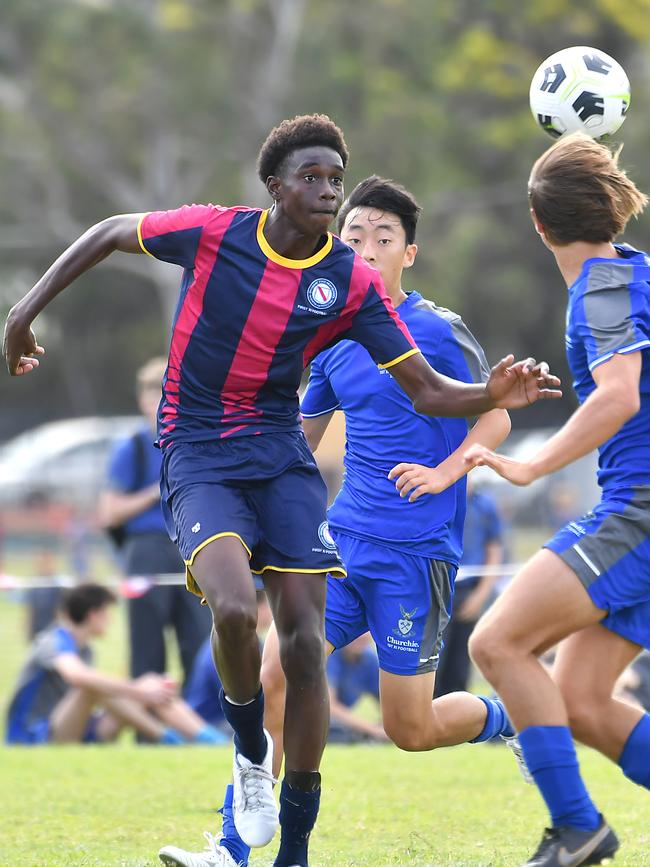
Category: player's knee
[302,653]
[585,714]
[488,650]
[234,619]
[407,735]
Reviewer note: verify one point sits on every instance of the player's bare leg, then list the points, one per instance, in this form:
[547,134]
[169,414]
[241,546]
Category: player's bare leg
[222,571]
[298,604]
[415,723]
[545,603]
[586,669]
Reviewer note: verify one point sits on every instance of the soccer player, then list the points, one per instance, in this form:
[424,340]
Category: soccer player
[589,588]
[401,557]
[263,292]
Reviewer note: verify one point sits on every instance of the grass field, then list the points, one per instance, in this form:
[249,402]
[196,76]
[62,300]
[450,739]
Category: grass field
[68,806]
[117,805]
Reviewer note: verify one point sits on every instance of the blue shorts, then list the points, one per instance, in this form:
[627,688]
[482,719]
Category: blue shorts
[38,731]
[609,550]
[264,490]
[403,599]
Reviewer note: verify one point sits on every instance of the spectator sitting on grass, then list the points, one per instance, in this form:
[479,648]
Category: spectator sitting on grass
[61,698]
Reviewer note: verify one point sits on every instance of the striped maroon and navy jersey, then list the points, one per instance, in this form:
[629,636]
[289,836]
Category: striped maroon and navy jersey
[249,321]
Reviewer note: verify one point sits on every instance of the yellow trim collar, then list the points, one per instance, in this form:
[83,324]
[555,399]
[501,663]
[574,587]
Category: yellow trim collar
[270,253]
[398,359]
[140,241]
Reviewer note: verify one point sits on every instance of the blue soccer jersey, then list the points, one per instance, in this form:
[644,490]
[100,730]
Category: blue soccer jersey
[609,313]
[383,429]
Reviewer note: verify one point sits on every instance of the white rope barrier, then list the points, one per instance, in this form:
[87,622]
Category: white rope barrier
[143,582]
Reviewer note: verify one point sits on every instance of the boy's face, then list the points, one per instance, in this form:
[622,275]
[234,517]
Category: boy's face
[98,621]
[379,237]
[310,188]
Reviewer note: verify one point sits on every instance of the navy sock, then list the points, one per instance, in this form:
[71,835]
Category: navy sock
[247,721]
[551,758]
[496,722]
[635,758]
[298,812]
[230,839]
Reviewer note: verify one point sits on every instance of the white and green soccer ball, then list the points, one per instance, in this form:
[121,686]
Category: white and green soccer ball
[580,89]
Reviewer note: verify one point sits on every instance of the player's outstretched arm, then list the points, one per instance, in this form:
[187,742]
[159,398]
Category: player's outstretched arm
[116,233]
[414,480]
[613,402]
[511,385]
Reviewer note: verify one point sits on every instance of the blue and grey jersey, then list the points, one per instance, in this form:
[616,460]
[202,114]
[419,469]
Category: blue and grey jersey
[40,686]
[609,313]
[383,429]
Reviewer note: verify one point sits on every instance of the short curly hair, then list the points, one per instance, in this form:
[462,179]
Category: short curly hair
[302,131]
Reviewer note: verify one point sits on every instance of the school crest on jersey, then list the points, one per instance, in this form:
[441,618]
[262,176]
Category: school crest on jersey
[322,294]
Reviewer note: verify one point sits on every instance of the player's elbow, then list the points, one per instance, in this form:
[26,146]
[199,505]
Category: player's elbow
[427,400]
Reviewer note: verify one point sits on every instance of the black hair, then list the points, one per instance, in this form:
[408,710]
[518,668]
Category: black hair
[384,195]
[78,602]
[303,131]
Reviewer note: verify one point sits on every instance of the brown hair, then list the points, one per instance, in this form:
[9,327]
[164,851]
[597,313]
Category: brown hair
[579,193]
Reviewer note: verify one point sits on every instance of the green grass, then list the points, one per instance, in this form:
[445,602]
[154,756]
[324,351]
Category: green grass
[68,806]
[116,805]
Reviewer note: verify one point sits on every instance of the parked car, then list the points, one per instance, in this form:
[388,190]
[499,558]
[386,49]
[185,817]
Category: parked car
[61,461]
[550,501]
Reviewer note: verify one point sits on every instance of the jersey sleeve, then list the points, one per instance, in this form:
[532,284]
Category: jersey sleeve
[173,236]
[377,327]
[460,355]
[611,320]
[319,397]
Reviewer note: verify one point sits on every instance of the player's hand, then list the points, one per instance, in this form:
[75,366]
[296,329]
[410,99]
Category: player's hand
[514,384]
[20,347]
[472,607]
[155,690]
[518,472]
[416,480]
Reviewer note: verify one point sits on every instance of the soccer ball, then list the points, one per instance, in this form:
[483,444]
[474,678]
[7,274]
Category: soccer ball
[580,89]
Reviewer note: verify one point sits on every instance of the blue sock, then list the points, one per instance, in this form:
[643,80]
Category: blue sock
[230,839]
[210,735]
[247,721]
[170,737]
[635,758]
[298,812]
[551,758]
[496,722]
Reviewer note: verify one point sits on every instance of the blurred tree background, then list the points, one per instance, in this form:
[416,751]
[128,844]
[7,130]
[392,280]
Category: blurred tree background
[110,106]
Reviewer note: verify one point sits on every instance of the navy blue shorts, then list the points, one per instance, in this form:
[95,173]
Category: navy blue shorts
[403,599]
[609,550]
[264,490]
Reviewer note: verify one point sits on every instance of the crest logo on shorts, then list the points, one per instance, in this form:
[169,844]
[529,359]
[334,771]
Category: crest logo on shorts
[405,623]
[322,293]
[326,537]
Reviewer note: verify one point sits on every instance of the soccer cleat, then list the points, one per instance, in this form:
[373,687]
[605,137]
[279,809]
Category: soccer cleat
[255,810]
[515,747]
[571,847]
[213,855]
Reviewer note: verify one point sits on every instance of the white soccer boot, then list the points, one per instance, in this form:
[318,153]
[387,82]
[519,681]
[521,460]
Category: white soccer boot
[213,855]
[513,744]
[255,810]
